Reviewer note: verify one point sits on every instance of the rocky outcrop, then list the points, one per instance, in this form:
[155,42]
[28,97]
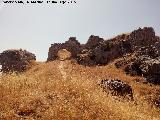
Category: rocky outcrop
[151,70]
[147,67]
[133,68]
[144,42]
[98,55]
[93,42]
[117,88]
[72,45]
[85,58]
[152,50]
[53,50]
[146,62]
[98,51]
[16,60]
[141,37]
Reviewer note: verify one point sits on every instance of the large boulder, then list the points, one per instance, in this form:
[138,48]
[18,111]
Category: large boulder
[151,70]
[16,60]
[147,67]
[117,88]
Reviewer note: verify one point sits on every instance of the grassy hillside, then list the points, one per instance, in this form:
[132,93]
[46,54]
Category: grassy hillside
[64,90]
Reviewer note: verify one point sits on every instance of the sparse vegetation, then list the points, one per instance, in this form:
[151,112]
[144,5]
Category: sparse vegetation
[42,93]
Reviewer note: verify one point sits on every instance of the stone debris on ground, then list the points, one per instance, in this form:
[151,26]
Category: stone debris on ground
[117,88]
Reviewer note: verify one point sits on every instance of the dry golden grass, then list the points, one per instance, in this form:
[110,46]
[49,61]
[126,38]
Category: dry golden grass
[64,90]
[63,54]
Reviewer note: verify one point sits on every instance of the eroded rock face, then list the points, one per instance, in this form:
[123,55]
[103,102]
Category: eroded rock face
[146,47]
[152,51]
[93,42]
[151,70]
[134,68]
[142,37]
[98,51]
[16,60]
[95,52]
[98,55]
[147,67]
[84,58]
[117,88]
[72,45]
[53,50]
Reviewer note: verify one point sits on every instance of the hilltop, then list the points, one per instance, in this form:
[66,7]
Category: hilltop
[67,86]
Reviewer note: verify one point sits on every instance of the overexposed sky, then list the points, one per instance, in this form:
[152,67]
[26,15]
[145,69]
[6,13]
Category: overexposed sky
[35,27]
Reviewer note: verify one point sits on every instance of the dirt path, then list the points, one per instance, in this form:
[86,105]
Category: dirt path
[61,68]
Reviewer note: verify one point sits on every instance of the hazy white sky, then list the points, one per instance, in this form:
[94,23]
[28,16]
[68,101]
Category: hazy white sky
[36,27]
